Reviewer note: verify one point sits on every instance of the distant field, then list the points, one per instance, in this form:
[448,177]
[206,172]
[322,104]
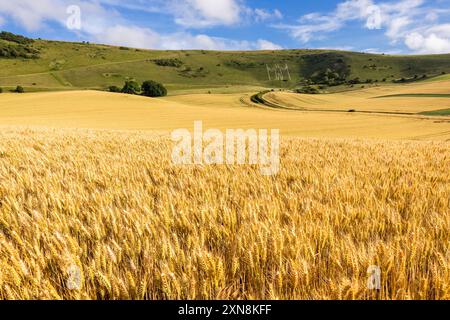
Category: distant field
[101,110]
[406,99]
[439,78]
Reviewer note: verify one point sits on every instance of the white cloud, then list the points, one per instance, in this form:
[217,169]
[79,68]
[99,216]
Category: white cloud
[32,14]
[415,23]
[148,39]
[373,16]
[261,15]
[397,27]
[262,44]
[430,43]
[209,13]
[102,23]
[186,40]
[312,25]
[206,13]
[129,36]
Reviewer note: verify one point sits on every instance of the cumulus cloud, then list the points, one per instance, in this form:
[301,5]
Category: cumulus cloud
[32,14]
[148,39]
[414,23]
[262,44]
[206,13]
[130,36]
[371,14]
[101,22]
[428,42]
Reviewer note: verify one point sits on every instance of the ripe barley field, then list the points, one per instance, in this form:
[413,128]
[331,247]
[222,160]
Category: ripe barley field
[111,204]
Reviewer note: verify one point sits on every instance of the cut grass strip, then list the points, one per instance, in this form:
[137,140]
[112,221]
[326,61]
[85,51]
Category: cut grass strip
[441,112]
[416,95]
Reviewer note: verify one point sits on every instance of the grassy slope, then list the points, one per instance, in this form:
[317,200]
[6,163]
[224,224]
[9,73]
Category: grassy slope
[65,65]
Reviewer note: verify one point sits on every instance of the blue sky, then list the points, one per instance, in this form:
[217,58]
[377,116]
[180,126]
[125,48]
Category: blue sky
[399,27]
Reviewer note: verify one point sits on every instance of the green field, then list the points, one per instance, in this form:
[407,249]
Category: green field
[417,95]
[67,65]
[443,112]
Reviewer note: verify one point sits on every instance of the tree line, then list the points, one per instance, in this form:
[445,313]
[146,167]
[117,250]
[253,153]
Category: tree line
[148,88]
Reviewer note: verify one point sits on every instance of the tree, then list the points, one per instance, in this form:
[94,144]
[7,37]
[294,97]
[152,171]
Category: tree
[19,89]
[114,89]
[152,88]
[131,87]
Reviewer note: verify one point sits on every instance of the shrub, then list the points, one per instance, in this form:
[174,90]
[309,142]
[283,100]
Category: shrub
[114,89]
[131,87]
[307,90]
[11,37]
[1,90]
[152,88]
[354,81]
[19,89]
[18,51]
[174,63]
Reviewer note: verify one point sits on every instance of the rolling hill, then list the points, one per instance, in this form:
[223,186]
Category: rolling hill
[53,65]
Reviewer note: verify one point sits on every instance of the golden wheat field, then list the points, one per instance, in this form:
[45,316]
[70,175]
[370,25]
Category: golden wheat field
[112,204]
[101,110]
[87,183]
[389,98]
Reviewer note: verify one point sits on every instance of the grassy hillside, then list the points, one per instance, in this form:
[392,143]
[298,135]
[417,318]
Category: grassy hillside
[66,65]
